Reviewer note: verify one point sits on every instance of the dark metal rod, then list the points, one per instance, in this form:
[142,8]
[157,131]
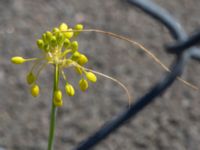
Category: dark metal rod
[133,110]
[185,44]
[178,34]
[162,16]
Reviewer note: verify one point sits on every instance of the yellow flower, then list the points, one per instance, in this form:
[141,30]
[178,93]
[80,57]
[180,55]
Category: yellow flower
[69,34]
[58,98]
[30,78]
[69,89]
[35,90]
[18,60]
[74,46]
[78,27]
[63,27]
[91,76]
[82,59]
[59,48]
[83,84]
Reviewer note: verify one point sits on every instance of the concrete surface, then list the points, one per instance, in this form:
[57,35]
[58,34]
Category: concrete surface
[170,123]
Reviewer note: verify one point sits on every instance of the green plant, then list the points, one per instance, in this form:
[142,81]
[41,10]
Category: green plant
[59,48]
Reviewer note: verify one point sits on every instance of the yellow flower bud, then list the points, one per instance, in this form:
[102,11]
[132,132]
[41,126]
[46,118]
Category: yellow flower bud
[60,38]
[78,27]
[30,78]
[91,76]
[44,37]
[53,41]
[69,89]
[18,60]
[83,84]
[66,43]
[63,27]
[74,46]
[82,59]
[56,30]
[69,35]
[35,90]
[75,56]
[46,48]
[48,35]
[58,98]
[40,44]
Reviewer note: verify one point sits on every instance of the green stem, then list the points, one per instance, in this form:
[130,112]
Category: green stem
[53,110]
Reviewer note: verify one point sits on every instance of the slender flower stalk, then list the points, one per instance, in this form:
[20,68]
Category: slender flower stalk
[53,110]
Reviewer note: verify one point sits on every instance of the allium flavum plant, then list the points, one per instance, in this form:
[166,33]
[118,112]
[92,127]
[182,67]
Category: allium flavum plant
[60,49]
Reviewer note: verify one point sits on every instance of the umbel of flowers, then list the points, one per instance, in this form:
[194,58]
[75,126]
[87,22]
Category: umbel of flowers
[60,49]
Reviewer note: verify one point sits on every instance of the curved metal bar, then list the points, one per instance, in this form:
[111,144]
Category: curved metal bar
[179,34]
[162,16]
[195,54]
[186,43]
[134,109]
[172,25]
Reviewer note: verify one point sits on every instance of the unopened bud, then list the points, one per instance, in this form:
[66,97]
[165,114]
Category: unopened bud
[69,89]
[74,46]
[78,27]
[63,27]
[83,84]
[58,98]
[30,78]
[68,34]
[91,76]
[18,60]
[35,90]
[82,59]
[40,44]
[66,43]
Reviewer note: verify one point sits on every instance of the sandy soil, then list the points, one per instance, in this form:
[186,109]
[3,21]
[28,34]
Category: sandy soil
[170,123]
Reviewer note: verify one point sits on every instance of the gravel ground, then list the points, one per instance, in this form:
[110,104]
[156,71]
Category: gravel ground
[170,123]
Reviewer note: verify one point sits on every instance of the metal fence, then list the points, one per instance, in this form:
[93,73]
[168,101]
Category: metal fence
[184,49]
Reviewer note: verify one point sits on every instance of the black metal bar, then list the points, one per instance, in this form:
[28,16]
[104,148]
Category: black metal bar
[172,25]
[169,22]
[195,54]
[162,16]
[186,43]
[141,103]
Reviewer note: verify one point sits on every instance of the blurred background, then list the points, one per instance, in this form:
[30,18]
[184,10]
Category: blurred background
[170,123]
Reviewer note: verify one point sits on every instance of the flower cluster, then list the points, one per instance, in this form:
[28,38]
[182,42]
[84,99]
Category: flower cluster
[59,48]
